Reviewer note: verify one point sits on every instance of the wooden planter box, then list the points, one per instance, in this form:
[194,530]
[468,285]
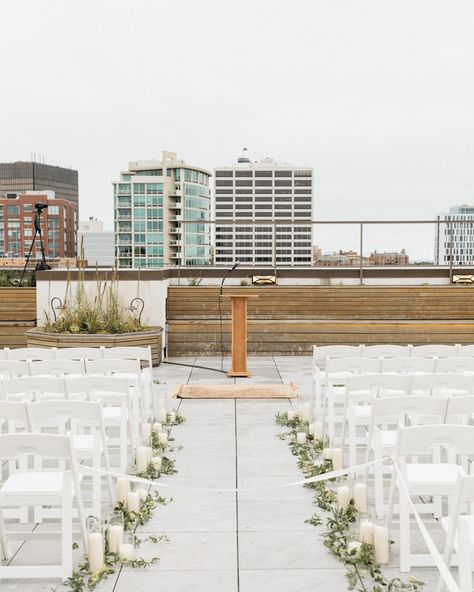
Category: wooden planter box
[17,314]
[37,338]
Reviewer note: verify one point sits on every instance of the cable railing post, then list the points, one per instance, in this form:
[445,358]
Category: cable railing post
[450,223]
[361,268]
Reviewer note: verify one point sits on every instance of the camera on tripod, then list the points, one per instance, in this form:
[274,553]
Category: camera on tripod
[39,207]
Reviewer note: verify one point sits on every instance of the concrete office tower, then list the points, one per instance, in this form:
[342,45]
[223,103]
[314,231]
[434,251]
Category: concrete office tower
[152,203]
[21,177]
[455,240]
[278,199]
[97,243]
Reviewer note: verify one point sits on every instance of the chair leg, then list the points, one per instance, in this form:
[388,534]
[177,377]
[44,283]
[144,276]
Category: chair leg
[66,530]
[404,532]
[352,436]
[378,486]
[123,443]
[464,557]
[96,482]
[4,550]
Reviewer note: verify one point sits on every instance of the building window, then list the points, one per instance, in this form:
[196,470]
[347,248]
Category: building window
[263,173]
[224,173]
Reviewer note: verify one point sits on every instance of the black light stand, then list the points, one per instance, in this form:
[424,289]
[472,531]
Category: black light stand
[41,265]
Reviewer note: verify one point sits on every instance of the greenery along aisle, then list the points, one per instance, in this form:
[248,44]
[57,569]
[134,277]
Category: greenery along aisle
[363,573]
[85,577]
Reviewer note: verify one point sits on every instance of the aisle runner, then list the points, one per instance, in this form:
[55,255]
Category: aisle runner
[235,391]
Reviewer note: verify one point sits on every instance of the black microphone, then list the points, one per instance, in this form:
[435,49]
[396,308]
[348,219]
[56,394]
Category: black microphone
[236,264]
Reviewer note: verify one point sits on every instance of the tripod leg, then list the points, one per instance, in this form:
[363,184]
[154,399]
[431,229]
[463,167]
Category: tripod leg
[28,256]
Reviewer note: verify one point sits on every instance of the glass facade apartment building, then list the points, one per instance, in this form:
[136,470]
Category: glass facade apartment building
[454,241]
[152,201]
[278,199]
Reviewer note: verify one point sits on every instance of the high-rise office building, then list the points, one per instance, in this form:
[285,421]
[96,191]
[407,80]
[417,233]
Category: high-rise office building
[161,213]
[454,241]
[97,244]
[58,223]
[277,199]
[20,177]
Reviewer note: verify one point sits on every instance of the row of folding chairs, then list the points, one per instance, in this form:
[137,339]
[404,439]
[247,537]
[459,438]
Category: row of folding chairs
[77,353]
[432,350]
[121,404]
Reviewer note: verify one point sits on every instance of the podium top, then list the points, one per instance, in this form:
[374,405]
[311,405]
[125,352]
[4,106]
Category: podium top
[241,296]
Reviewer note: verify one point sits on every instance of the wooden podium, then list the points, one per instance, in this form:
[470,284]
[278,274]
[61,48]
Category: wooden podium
[239,334]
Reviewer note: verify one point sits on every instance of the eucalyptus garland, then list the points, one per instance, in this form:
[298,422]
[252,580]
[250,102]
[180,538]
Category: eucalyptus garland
[81,578]
[362,572]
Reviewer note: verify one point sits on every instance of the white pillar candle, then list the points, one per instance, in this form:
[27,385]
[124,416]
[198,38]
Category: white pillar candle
[337,459]
[126,552]
[381,545]
[343,497]
[360,497]
[305,412]
[163,437]
[156,462]
[366,532]
[157,427]
[327,453]
[318,430]
[123,487]
[95,552]
[311,429]
[162,415]
[301,437]
[172,416]
[354,546]
[161,403]
[133,501]
[141,458]
[143,494]
[291,415]
[115,537]
[149,451]
[146,431]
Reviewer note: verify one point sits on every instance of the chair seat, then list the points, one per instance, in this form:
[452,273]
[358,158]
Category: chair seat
[388,438]
[362,411]
[45,483]
[432,478]
[84,442]
[112,412]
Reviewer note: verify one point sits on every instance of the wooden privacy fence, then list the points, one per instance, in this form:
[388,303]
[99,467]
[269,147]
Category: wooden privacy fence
[290,319]
[17,314]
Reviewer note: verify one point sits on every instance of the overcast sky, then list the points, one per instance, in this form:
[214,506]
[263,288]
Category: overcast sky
[376,95]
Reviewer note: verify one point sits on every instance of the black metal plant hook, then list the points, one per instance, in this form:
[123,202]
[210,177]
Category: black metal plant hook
[137,304]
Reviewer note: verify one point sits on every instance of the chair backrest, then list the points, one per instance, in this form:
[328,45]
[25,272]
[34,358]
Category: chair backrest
[379,384]
[410,405]
[322,352]
[79,353]
[422,440]
[466,351]
[14,368]
[128,353]
[88,385]
[34,386]
[111,366]
[13,411]
[4,353]
[44,445]
[352,365]
[460,364]
[385,351]
[434,350]
[84,411]
[446,384]
[407,365]
[460,406]
[32,353]
[57,367]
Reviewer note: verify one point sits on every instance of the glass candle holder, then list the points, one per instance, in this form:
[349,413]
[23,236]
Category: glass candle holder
[95,544]
[127,548]
[382,543]
[115,531]
[133,499]
[366,527]
[343,494]
[353,544]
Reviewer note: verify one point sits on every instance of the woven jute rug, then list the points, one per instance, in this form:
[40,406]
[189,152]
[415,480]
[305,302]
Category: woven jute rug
[235,391]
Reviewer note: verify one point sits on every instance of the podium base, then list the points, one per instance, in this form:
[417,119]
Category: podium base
[231,374]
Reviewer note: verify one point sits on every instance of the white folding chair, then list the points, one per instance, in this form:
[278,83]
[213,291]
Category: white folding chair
[51,488]
[144,355]
[116,399]
[466,351]
[434,350]
[442,384]
[86,424]
[459,533]
[459,365]
[337,372]
[3,353]
[13,368]
[385,351]
[58,368]
[79,353]
[437,479]
[34,388]
[359,392]
[32,353]
[386,415]
[411,365]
